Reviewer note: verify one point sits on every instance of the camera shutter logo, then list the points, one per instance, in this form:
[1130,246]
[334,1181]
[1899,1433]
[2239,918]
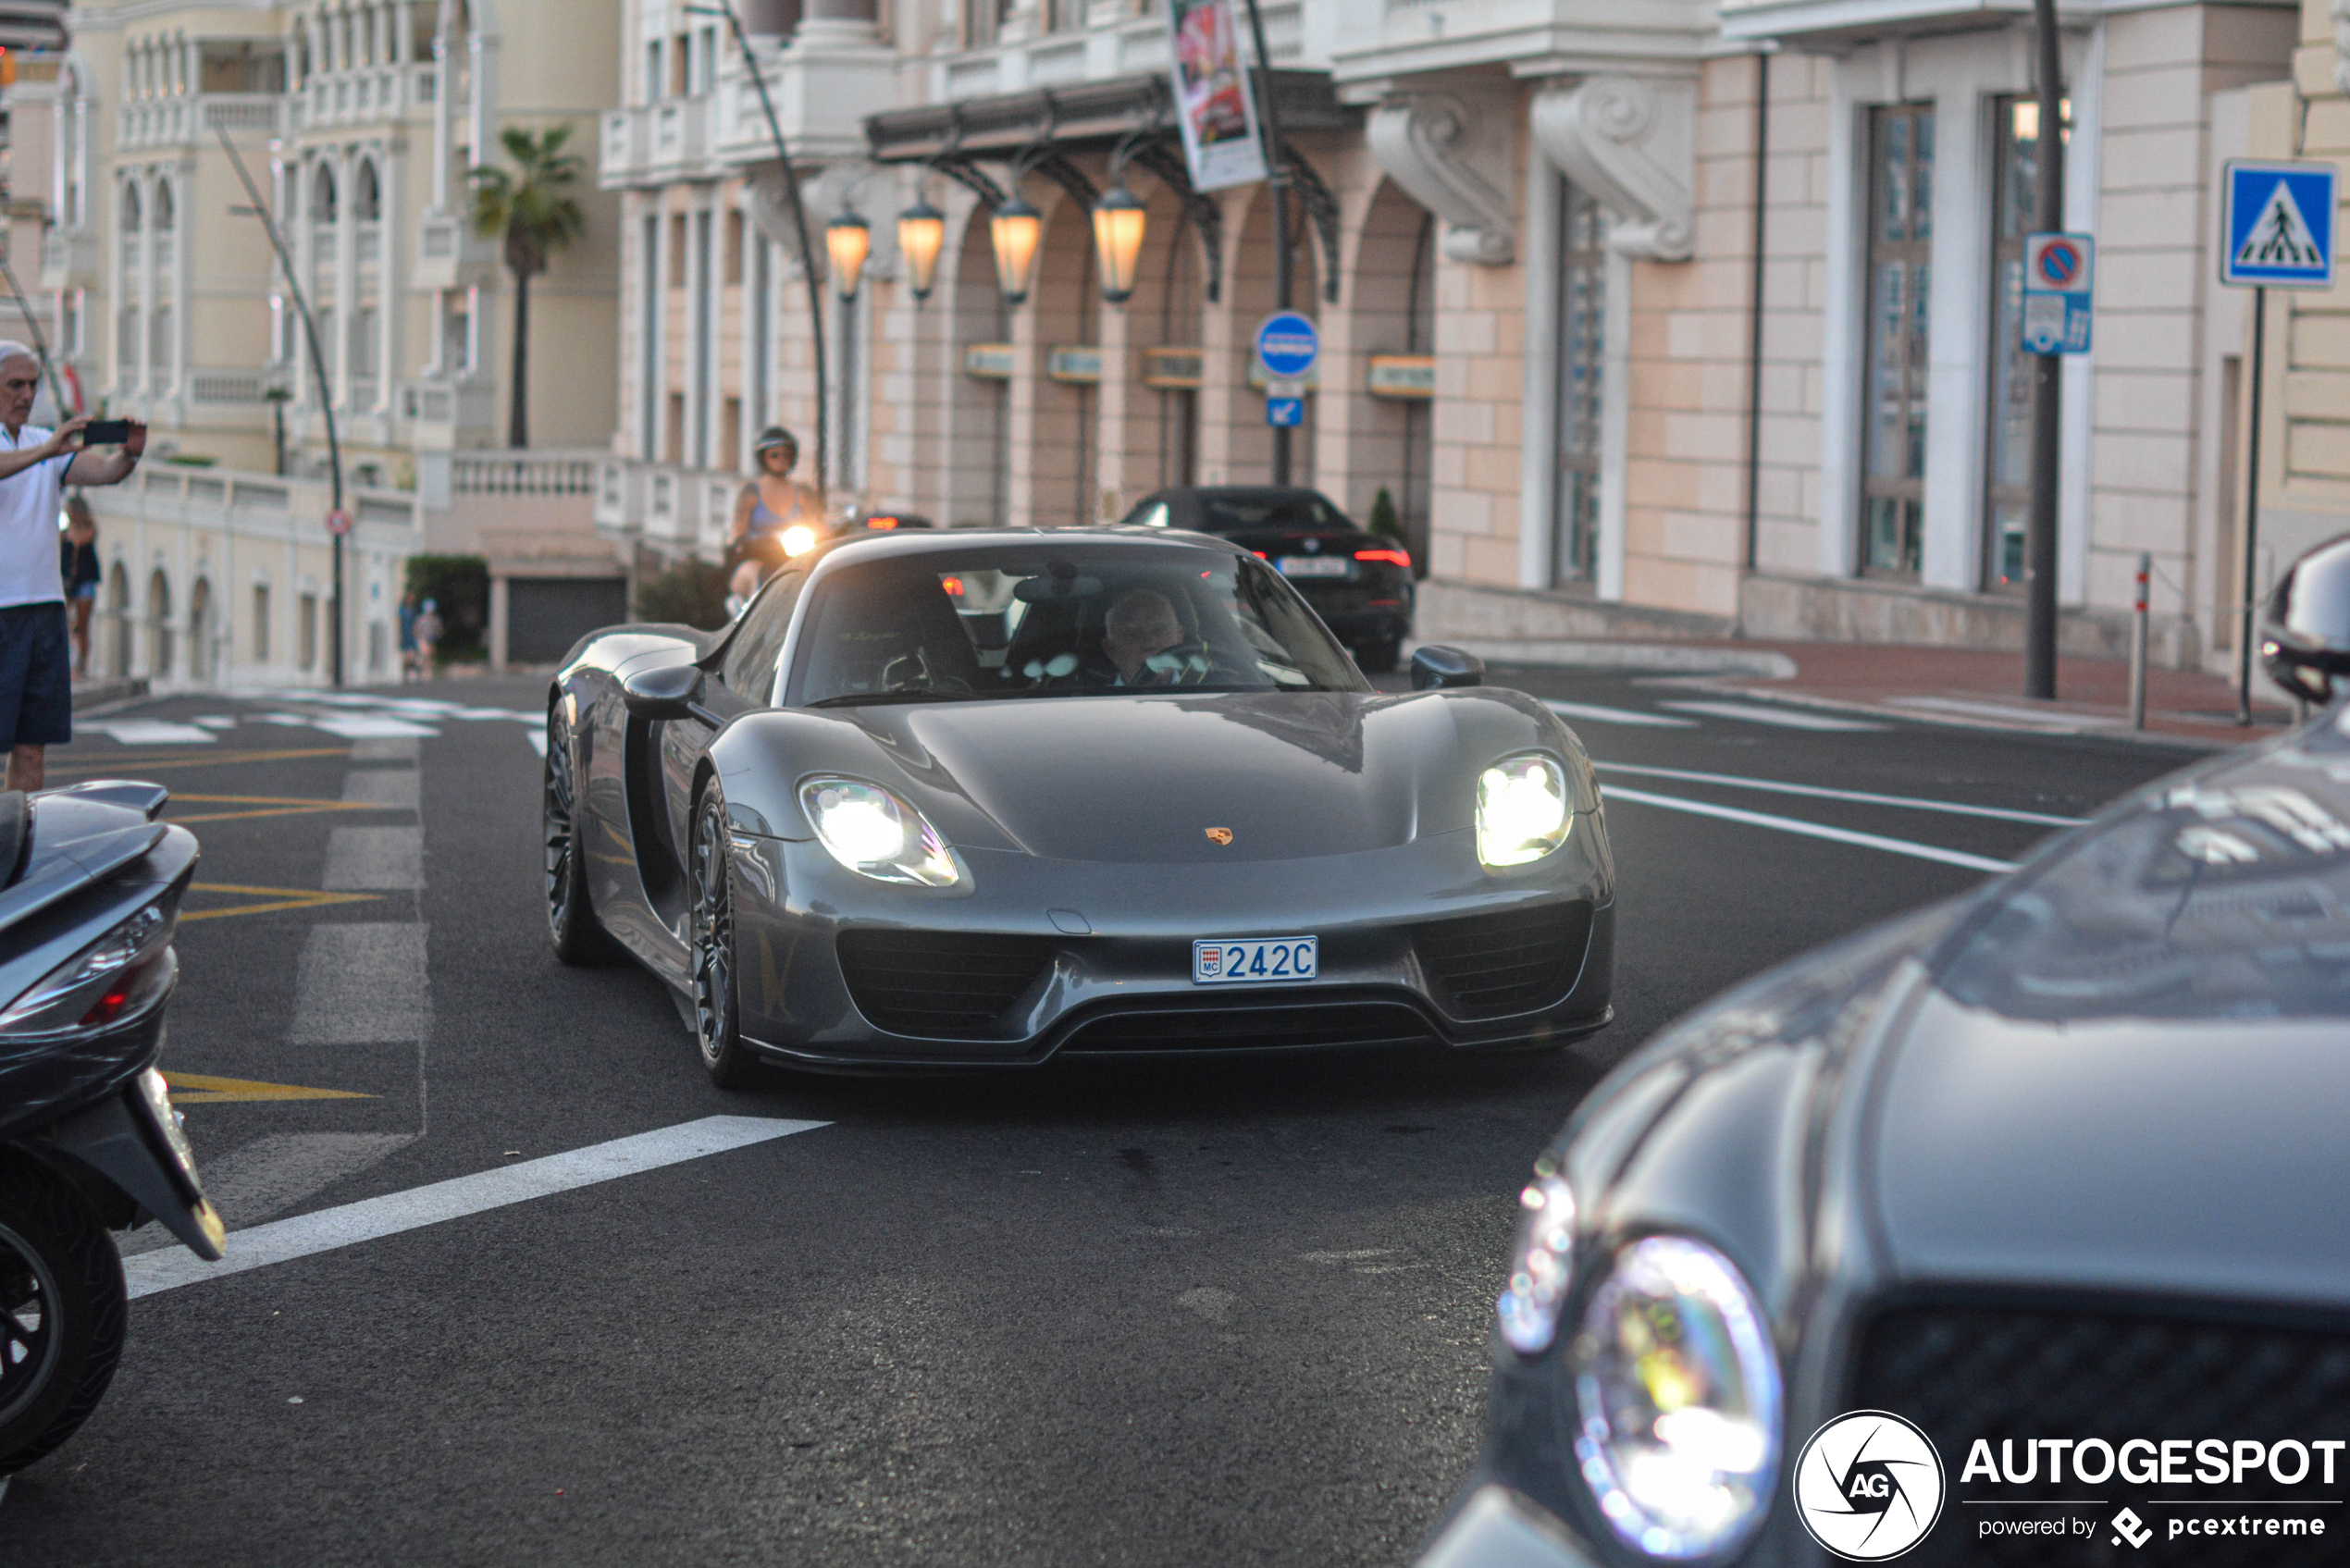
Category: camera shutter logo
[1869,1486]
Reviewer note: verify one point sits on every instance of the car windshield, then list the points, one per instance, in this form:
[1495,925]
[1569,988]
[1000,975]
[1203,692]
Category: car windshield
[1245,513]
[1060,620]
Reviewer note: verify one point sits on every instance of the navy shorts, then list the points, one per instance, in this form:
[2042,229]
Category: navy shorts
[36,676]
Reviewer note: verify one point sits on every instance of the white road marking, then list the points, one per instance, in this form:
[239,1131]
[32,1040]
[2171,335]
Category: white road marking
[1784,717]
[373,859]
[216,721]
[1599,715]
[150,732]
[392,788]
[368,726]
[538,739]
[2055,718]
[362,984]
[1907,802]
[385,748]
[1814,830]
[373,1218]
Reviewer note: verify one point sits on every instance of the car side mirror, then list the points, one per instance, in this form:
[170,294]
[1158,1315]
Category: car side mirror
[666,691]
[1436,668]
[2305,637]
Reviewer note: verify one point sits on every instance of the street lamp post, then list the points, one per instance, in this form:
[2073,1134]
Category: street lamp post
[1277,177]
[2047,384]
[260,209]
[799,228]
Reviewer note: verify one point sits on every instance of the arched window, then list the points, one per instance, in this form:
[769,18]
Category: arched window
[130,207]
[367,200]
[159,625]
[166,210]
[200,632]
[119,609]
[322,198]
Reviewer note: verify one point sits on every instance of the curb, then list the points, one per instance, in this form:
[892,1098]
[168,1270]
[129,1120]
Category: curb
[1961,721]
[1661,658]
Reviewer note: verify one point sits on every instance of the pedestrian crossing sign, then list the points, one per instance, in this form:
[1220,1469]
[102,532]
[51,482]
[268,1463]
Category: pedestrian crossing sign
[2279,227]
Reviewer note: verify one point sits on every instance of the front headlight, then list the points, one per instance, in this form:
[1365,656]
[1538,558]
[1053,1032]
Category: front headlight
[875,834]
[1542,1266]
[1676,1389]
[1522,810]
[114,978]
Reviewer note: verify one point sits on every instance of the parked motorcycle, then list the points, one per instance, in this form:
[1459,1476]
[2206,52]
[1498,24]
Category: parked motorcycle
[90,891]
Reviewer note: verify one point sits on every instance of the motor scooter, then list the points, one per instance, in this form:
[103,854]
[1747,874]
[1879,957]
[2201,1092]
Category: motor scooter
[90,1143]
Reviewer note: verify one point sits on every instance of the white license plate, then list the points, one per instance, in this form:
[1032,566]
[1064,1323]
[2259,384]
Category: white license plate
[1313,565]
[1253,960]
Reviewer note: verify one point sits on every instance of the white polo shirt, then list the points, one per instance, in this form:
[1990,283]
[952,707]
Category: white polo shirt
[29,501]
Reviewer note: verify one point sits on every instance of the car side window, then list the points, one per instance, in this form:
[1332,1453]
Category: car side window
[750,670]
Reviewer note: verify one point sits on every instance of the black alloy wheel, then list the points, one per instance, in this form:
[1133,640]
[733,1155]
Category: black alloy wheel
[717,1029]
[63,1313]
[571,919]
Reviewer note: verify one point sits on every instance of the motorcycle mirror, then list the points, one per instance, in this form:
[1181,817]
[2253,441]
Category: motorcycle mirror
[666,691]
[1438,667]
[2305,636]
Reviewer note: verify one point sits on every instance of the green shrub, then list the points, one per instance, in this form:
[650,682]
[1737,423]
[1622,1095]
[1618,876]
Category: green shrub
[1383,518]
[459,586]
[691,592]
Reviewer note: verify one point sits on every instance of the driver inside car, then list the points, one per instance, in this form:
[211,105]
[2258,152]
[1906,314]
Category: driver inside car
[1145,639]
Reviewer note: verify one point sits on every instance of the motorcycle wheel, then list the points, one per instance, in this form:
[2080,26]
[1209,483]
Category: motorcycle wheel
[63,1313]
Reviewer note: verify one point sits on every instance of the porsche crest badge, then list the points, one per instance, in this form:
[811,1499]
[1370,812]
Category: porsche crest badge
[1221,835]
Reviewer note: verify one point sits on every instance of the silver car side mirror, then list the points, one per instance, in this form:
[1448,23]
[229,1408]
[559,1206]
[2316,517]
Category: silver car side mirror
[2305,636]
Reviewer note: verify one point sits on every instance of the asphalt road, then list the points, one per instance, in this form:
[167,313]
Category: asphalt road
[1213,1312]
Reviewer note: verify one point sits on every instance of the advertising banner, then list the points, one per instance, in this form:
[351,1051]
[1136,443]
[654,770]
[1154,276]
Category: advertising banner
[1212,98]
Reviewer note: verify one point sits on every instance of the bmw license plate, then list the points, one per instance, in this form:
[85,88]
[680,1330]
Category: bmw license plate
[1313,565]
[1253,960]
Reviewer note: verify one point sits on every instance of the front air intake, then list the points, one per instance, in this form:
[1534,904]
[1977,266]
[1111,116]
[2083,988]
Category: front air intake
[940,984]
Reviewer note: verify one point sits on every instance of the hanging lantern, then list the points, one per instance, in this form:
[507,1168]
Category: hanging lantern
[1117,241]
[921,232]
[847,241]
[1015,228]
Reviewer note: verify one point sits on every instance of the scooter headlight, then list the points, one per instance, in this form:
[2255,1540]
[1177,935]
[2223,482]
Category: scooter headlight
[115,978]
[798,540]
[875,834]
[1677,1392]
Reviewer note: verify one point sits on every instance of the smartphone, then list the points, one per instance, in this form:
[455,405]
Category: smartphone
[106,433]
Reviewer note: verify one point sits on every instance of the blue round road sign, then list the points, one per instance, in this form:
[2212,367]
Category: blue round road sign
[2059,263]
[1286,346]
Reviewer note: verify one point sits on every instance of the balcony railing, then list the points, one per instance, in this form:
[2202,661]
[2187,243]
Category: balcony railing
[524,474]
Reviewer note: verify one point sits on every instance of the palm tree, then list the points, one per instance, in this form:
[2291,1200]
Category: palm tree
[533,212]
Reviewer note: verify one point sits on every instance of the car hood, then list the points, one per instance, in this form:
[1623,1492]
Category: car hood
[2117,1069]
[1141,779]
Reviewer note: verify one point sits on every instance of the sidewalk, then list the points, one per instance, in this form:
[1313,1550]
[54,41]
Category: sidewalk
[1970,688]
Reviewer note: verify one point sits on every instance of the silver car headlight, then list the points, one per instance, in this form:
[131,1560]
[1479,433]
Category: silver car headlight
[1523,810]
[1542,1265]
[1678,1393]
[875,834]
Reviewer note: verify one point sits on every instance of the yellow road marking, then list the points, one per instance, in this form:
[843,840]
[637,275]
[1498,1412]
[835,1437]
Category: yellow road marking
[280,898]
[271,806]
[194,1089]
[113,767]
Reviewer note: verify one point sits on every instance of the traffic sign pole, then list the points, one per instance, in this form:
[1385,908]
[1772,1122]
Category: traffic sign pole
[2276,231]
[2047,384]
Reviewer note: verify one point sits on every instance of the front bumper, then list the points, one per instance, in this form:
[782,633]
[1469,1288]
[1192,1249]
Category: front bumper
[1120,948]
[1492,1526]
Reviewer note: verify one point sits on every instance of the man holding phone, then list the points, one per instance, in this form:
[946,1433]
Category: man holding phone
[36,669]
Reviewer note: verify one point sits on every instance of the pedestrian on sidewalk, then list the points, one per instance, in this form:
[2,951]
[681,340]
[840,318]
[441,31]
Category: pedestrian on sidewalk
[407,636]
[36,680]
[78,565]
[428,637]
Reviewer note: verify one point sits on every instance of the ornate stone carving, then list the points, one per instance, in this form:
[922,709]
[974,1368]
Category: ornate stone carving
[1632,143]
[1439,148]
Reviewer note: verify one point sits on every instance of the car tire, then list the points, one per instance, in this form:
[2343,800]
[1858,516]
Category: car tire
[579,938]
[1378,658]
[64,1312]
[710,948]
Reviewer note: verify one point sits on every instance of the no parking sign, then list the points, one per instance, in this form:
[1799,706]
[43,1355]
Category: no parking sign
[2057,269]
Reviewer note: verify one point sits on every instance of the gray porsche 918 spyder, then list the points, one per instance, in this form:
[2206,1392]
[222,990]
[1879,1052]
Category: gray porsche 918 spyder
[978,798]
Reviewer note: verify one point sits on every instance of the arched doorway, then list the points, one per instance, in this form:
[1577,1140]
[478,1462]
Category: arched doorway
[1393,304]
[1179,305]
[159,649]
[121,650]
[1065,305]
[200,632]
